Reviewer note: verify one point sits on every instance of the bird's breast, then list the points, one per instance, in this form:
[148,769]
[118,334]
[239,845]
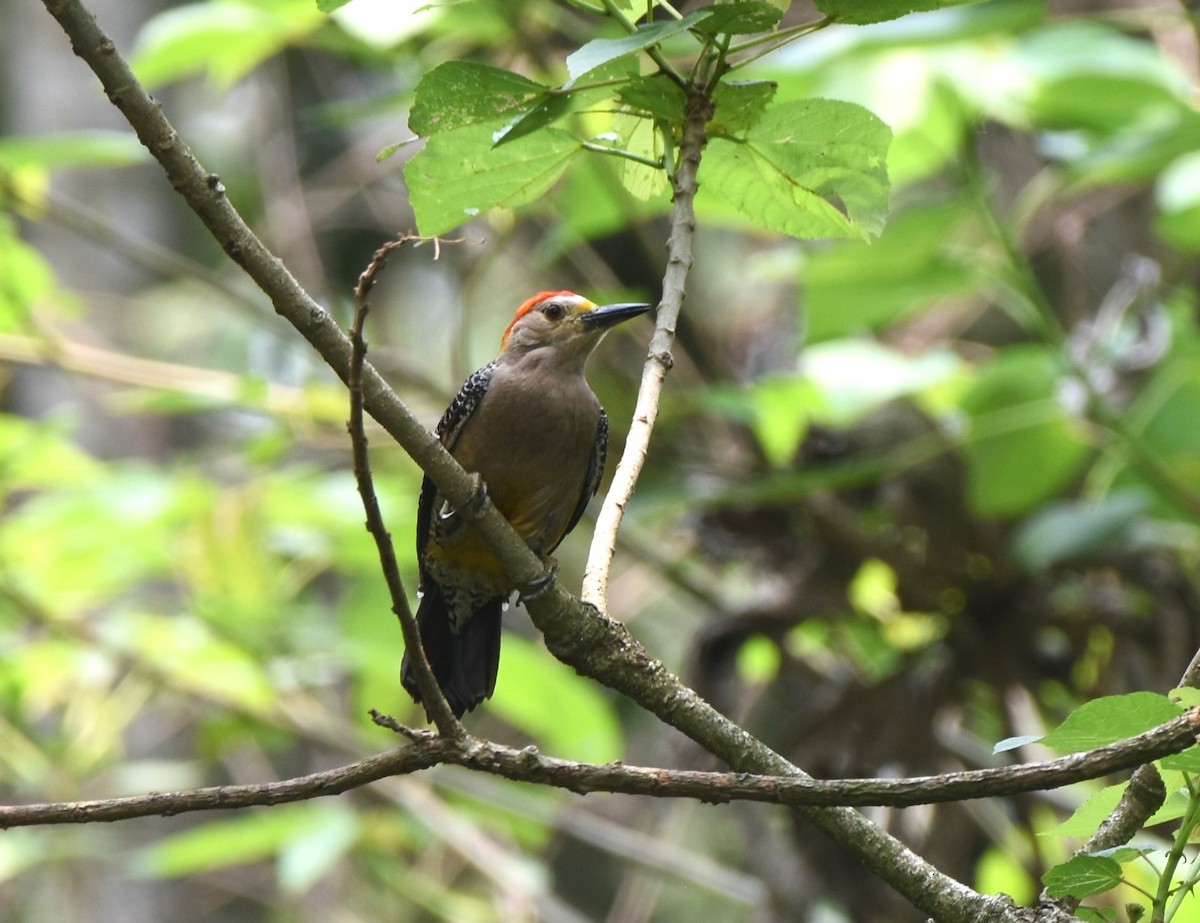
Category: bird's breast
[532,443]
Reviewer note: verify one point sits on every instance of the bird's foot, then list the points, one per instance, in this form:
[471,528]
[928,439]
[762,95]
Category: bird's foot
[537,587]
[479,492]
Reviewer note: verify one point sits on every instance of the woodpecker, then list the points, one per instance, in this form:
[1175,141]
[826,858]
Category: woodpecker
[532,429]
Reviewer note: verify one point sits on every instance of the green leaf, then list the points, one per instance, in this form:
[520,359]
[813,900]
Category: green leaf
[460,173]
[1177,194]
[1088,817]
[41,454]
[462,93]
[1112,718]
[561,710]
[1012,743]
[798,161]
[741,17]
[1022,446]
[194,658]
[923,256]
[758,659]
[72,149]
[26,278]
[1087,75]
[1096,914]
[854,376]
[860,12]
[602,50]
[249,837]
[328,6]
[312,852]
[1163,416]
[546,111]
[641,137]
[659,96]
[740,105]
[1082,876]
[1073,529]
[225,38]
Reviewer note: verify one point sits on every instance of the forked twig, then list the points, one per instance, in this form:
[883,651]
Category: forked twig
[431,694]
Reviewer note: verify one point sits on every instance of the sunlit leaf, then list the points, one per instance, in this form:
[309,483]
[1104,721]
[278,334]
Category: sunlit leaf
[860,12]
[564,712]
[741,105]
[741,17]
[457,94]
[656,95]
[812,168]
[461,173]
[641,137]
[1082,876]
[1022,447]
[224,38]
[1109,719]
[193,658]
[923,256]
[248,837]
[1086,818]
[72,149]
[600,51]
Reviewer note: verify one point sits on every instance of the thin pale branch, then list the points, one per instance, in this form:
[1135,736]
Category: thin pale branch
[658,358]
[528,765]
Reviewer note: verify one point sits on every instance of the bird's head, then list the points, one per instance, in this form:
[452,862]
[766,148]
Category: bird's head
[563,325]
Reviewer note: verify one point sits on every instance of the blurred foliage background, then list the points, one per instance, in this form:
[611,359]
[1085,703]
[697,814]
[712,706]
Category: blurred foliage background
[904,500]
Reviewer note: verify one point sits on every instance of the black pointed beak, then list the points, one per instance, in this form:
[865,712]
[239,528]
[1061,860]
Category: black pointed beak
[610,314]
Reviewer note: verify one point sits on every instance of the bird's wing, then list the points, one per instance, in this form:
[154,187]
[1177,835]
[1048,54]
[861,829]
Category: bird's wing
[594,473]
[448,429]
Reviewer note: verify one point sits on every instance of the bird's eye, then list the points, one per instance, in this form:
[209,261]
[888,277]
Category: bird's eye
[554,311]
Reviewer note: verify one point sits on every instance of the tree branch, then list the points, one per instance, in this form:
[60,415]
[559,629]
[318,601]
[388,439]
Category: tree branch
[583,637]
[527,765]
[434,700]
[658,357]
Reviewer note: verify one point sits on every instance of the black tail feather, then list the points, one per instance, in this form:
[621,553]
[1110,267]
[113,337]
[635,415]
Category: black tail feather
[464,664]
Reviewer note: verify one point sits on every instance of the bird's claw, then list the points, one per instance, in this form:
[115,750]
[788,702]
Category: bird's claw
[479,492]
[538,586]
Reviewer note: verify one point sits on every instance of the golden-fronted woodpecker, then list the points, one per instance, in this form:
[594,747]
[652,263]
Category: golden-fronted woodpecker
[530,426]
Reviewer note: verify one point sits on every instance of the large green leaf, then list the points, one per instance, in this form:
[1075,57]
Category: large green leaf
[923,256]
[564,712]
[461,173]
[602,50]
[741,105]
[461,93]
[1069,530]
[1109,719]
[225,38]
[1082,876]
[1022,447]
[860,12]
[810,168]
[741,17]
[72,149]
[656,95]
[249,837]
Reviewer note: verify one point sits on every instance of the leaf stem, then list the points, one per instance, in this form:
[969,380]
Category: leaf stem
[776,40]
[622,153]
